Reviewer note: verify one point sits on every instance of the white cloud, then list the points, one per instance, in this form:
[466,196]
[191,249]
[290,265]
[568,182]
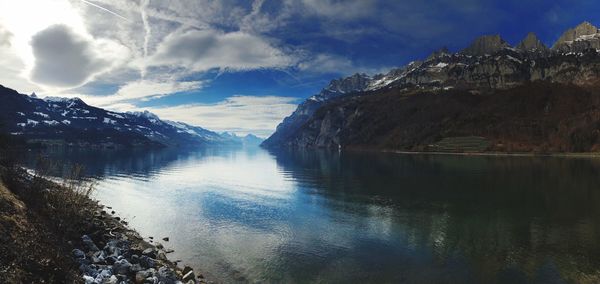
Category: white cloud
[329,63]
[140,91]
[326,63]
[202,50]
[349,9]
[5,37]
[239,114]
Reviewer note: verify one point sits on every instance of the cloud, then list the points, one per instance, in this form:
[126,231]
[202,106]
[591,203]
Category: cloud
[142,90]
[330,63]
[348,9]
[327,63]
[202,50]
[63,58]
[240,114]
[5,37]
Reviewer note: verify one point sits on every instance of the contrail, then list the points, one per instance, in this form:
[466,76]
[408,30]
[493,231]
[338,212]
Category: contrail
[104,9]
[147,30]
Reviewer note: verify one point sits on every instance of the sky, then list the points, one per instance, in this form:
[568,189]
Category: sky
[242,65]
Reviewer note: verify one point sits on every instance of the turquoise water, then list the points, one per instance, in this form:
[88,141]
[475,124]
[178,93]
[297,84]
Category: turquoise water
[248,215]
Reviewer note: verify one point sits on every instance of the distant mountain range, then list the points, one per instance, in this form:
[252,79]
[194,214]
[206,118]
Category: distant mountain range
[447,98]
[62,121]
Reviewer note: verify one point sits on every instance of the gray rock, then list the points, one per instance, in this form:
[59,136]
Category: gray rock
[488,44]
[136,268]
[166,239]
[78,254]
[572,36]
[89,270]
[532,43]
[88,243]
[98,257]
[122,267]
[161,256]
[111,280]
[166,275]
[147,262]
[103,276]
[111,259]
[188,275]
[88,279]
[151,252]
[142,275]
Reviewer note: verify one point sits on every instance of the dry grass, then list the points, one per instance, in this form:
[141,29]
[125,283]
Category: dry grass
[37,217]
[68,199]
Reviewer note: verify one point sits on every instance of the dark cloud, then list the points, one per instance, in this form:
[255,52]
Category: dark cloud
[63,59]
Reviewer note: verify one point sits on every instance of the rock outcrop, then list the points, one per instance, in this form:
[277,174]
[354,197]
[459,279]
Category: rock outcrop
[487,44]
[583,37]
[532,43]
[488,65]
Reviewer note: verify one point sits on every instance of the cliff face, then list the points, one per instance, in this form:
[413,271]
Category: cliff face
[488,66]
[533,117]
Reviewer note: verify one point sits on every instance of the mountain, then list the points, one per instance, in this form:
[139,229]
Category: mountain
[584,36]
[487,44]
[252,140]
[414,107]
[532,43]
[73,122]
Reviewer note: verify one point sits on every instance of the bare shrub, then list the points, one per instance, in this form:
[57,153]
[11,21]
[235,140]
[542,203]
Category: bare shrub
[68,199]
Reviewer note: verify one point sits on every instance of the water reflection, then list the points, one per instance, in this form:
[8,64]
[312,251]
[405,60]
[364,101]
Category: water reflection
[310,216]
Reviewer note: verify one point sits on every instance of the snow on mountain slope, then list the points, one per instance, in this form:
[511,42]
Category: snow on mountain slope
[75,122]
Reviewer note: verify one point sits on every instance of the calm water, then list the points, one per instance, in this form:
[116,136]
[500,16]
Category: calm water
[247,215]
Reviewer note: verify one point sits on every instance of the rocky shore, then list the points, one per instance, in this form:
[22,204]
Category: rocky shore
[112,253]
[55,233]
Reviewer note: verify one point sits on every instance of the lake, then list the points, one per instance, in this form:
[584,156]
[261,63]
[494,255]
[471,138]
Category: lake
[249,215]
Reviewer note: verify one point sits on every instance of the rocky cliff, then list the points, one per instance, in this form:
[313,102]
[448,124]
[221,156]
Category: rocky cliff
[480,73]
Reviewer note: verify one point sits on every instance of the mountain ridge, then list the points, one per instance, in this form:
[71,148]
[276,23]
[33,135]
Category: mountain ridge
[72,122]
[487,64]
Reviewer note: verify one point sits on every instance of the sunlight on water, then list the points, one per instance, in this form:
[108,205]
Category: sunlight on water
[248,215]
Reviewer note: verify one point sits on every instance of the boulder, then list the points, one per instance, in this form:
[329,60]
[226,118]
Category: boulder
[166,275]
[78,254]
[188,274]
[161,256]
[147,262]
[122,267]
[150,252]
[88,243]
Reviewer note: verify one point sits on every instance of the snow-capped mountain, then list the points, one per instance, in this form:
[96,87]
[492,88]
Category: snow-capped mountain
[489,63]
[71,121]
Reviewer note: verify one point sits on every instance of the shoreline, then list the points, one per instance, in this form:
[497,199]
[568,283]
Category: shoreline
[492,154]
[92,247]
[406,152]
